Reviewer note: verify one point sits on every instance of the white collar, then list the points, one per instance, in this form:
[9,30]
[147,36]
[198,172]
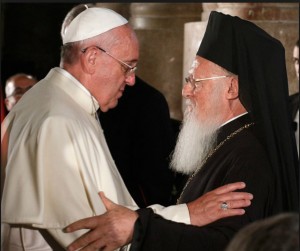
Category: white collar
[233,119]
[81,86]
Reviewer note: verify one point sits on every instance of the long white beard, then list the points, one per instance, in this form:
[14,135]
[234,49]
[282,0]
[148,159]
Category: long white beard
[195,140]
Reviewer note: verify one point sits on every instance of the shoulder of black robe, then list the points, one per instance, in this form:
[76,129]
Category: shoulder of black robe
[258,59]
[240,158]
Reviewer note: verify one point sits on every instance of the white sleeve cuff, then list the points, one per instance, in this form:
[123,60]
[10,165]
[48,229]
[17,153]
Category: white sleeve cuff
[178,213]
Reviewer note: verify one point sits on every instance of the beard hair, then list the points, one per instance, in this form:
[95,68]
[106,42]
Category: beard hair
[195,141]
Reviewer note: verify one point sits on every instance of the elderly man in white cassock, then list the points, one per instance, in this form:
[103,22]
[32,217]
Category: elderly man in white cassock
[54,156]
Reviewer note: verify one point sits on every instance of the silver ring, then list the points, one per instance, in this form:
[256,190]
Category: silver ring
[224,206]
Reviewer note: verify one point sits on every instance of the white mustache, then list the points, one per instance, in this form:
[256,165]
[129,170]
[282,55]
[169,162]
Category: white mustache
[190,106]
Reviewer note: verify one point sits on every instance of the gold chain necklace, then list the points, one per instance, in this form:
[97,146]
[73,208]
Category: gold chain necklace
[210,154]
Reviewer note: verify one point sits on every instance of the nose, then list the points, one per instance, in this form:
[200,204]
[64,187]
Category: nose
[187,90]
[130,80]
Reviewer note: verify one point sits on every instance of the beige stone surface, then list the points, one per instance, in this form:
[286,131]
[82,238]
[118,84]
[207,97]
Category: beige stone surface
[160,27]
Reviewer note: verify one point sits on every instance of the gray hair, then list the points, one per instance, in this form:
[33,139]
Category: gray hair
[276,233]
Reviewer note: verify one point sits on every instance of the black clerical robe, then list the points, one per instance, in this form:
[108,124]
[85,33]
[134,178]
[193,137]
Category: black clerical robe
[240,158]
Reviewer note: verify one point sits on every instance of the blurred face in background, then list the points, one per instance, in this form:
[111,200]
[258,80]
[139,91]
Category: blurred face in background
[15,87]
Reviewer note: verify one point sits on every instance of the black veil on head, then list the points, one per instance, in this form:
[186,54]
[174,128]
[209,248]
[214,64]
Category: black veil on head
[258,59]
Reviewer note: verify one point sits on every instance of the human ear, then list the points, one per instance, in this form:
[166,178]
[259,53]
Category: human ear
[88,61]
[233,88]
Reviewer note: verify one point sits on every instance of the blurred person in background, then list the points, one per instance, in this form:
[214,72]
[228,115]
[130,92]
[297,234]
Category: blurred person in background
[15,88]
[276,233]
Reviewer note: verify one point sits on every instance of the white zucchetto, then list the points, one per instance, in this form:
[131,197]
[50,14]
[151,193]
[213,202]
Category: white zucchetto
[92,22]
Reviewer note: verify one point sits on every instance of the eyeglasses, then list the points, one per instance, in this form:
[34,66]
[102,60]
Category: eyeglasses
[196,82]
[128,69]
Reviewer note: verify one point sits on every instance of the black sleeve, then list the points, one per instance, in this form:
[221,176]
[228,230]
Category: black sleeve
[154,233]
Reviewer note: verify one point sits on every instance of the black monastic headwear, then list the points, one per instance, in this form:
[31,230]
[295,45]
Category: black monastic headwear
[258,59]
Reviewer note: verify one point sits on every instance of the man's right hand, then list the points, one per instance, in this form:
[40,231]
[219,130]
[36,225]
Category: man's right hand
[207,208]
[108,231]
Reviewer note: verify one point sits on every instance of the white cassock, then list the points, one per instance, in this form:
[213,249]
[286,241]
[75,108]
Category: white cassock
[56,160]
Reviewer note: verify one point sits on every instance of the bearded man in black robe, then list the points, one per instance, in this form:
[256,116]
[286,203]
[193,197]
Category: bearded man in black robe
[236,127]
